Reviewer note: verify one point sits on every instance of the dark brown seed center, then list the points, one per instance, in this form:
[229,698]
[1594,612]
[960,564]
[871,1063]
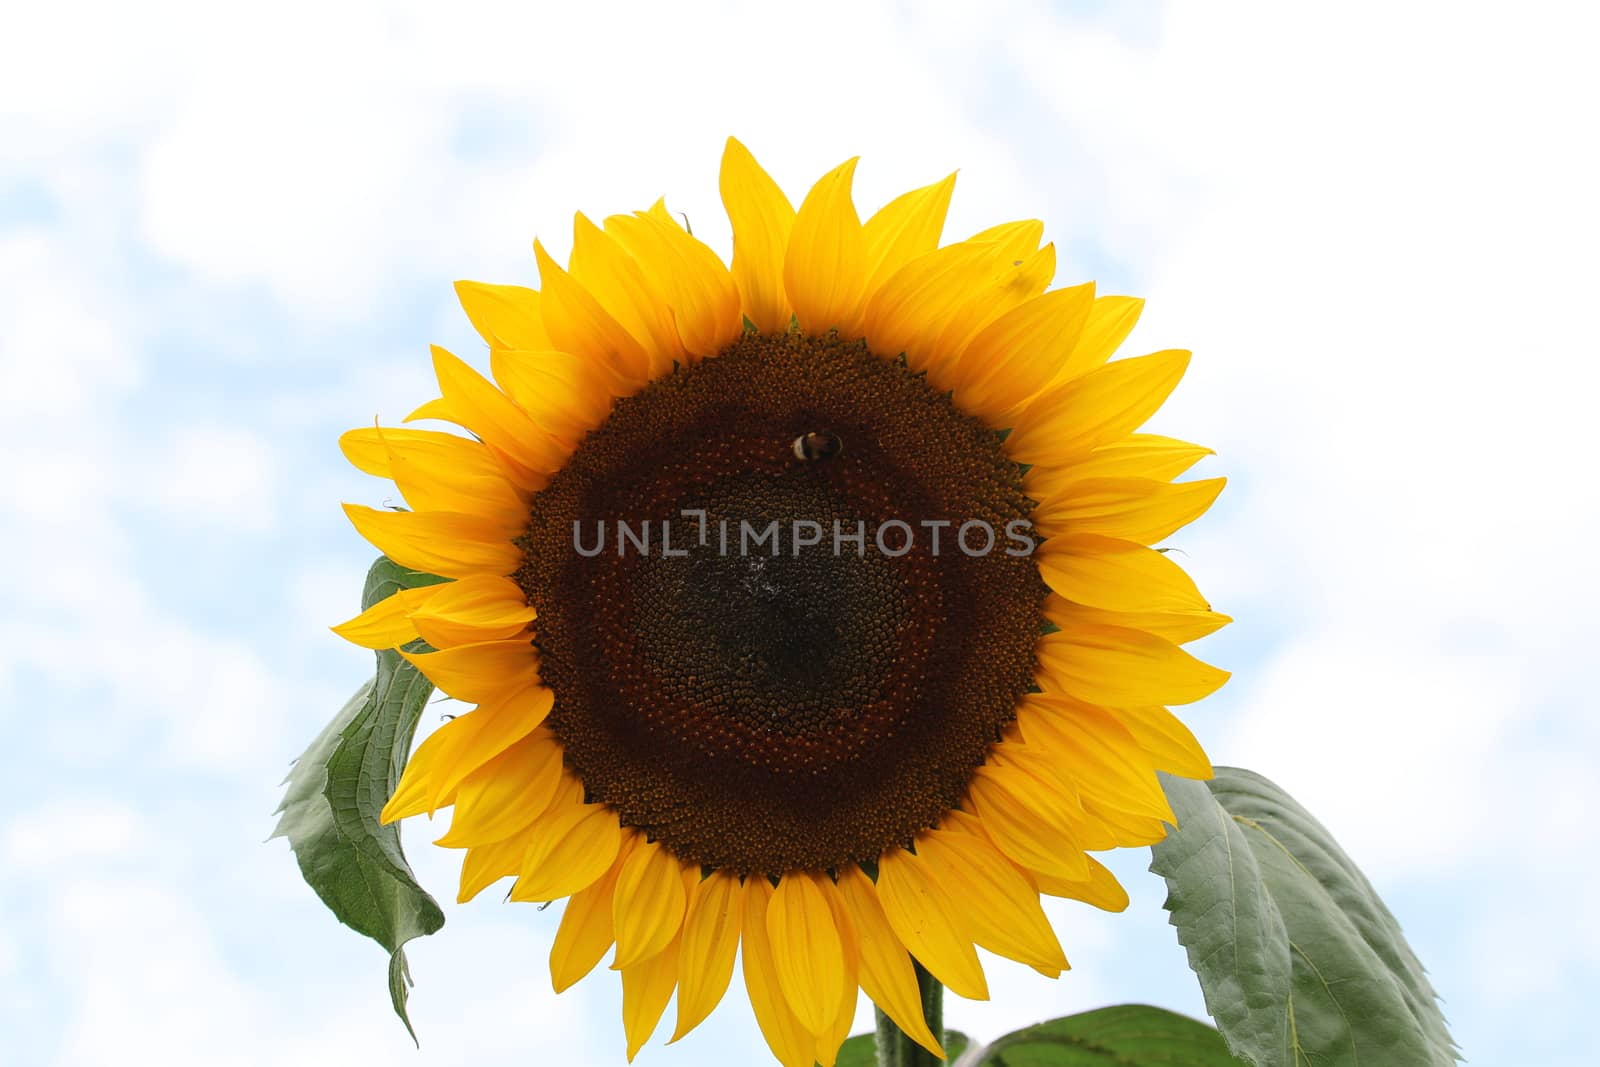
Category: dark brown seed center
[774,681]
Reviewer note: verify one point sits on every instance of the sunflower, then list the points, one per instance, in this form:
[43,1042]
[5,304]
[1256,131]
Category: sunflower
[842,751]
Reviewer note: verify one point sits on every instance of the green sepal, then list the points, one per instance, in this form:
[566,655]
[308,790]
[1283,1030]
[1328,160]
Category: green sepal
[336,789]
[1299,960]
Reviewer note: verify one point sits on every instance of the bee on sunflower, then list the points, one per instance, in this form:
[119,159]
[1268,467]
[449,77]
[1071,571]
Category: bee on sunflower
[843,761]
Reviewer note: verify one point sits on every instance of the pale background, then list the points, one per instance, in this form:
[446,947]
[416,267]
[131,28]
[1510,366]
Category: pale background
[228,233]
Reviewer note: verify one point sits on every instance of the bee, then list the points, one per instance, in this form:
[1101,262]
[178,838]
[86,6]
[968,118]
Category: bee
[818,444]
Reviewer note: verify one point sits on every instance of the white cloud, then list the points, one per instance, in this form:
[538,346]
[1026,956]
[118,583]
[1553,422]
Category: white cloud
[10,956]
[301,182]
[184,697]
[214,477]
[83,829]
[1404,739]
[321,595]
[1378,246]
[1377,242]
[49,484]
[1380,263]
[99,635]
[190,1006]
[297,179]
[156,981]
[185,1002]
[62,343]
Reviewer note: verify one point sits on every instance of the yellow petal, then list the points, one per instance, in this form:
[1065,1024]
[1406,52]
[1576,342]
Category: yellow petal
[387,623]
[1161,739]
[526,479]
[1019,354]
[431,483]
[1012,285]
[1110,321]
[446,543]
[1092,833]
[1128,830]
[830,1041]
[1167,740]
[1101,888]
[568,850]
[1028,819]
[1118,668]
[1002,911]
[710,941]
[486,864]
[443,471]
[555,389]
[413,792]
[618,283]
[698,288]
[367,451]
[1012,240]
[505,795]
[762,220]
[1139,455]
[788,1039]
[806,949]
[903,229]
[578,324]
[481,672]
[646,987]
[1133,509]
[927,922]
[886,971]
[832,1038]
[505,316]
[570,792]
[824,270]
[908,312]
[1179,627]
[1095,409]
[472,401]
[1098,753]
[1118,575]
[963,822]
[586,931]
[647,910]
[483,608]
[471,740]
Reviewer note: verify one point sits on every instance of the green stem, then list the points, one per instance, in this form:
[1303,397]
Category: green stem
[895,1049]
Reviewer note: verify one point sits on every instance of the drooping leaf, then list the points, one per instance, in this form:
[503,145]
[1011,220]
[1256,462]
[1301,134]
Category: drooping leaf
[1300,962]
[1129,1035]
[337,787]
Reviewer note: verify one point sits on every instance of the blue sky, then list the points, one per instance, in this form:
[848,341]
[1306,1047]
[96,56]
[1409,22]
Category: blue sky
[225,238]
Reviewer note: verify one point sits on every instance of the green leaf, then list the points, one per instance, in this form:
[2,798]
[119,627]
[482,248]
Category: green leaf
[1130,1035]
[337,787]
[1300,962]
[862,1049]
[858,1051]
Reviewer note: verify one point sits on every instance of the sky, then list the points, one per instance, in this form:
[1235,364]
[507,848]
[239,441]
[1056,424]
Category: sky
[228,234]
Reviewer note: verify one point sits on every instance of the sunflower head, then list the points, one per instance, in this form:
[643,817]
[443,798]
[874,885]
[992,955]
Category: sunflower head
[806,605]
